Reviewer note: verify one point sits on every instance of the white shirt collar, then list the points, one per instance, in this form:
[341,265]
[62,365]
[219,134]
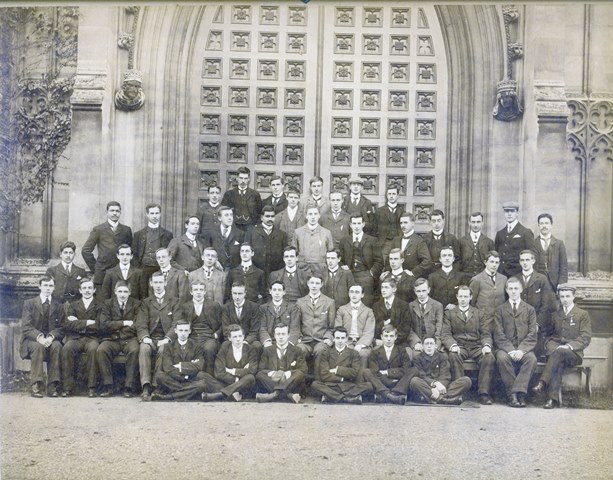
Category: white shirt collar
[166,269]
[511,226]
[397,272]
[358,237]
[447,269]
[43,298]
[191,236]
[87,302]
[113,224]
[69,265]
[516,302]
[182,343]
[291,270]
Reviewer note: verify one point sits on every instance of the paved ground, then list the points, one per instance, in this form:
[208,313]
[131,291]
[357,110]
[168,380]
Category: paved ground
[119,438]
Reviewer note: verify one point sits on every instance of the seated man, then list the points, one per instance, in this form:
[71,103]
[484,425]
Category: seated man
[426,318]
[81,336]
[248,274]
[244,313]
[390,369]
[294,279]
[175,279]
[205,319]
[66,275]
[155,329]
[117,316]
[433,377]
[359,321]
[235,368]
[514,331]
[338,370]
[41,337]
[124,271]
[572,333]
[282,369]
[278,311]
[391,310]
[210,276]
[180,376]
[466,334]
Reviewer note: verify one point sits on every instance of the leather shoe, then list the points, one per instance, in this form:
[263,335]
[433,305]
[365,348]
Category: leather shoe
[36,393]
[211,397]
[91,392]
[451,401]
[513,401]
[54,394]
[294,397]
[266,397]
[357,400]
[161,397]
[485,399]
[237,396]
[539,388]
[394,398]
[106,393]
[127,393]
[521,398]
[551,403]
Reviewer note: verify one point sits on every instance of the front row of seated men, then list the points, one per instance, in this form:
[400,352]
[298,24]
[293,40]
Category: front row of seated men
[199,349]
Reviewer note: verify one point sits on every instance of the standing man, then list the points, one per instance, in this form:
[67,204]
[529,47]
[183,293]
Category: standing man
[107,237]
[186,251]
[488,287]
[312,243]
[126,272]
[292,217]
[268,242]
[361,254]
[438,238]
[277,312]
[337,280]
[359,321]
[208,212]
[357,204]
[416,259]
[210,276]
[550,251]
[466,334]
[244,201]
[393,311]
[249,275]
[387,219]
[426,318]
[148,240]
[512,239]
[445,281]
[175,280]
[66,275]
[277,200]
[474,247]
[293,279]
[316,198]
[41,338]
[572,333]
[514,331]
[336,220]
[226,239]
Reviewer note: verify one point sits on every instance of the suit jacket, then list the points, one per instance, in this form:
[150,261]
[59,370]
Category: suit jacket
[66,286]
[185,254]
[338,228]
[538,293]
[397,366]
[254,281]
[323,205]
[509,244]
[293,360]
[139,245]
[388,223]
[268,249]
[111,319]
[207,325]
[514,331]
[487,295]
[190,357]
[177,285]
[246,212]
[473,257]
[280,276]
[316,322]
[435,247]
[288,315]
[347,364]
[337,287]
[247,365]
[282,222]
[399,316]
[215,286]
[364,208]
[279,207]
[78,328]
[208,217]
[107,241]
[574,329]
[404,285]
[416,256]
[34,322]
[138,286]
[552,263]
[152,313]
[369,252]
[366,323]
[444,287]
[430,324]
[475,331]
[249,320]
[228,249]
[433,368]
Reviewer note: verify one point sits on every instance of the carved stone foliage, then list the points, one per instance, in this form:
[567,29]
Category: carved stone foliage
[423,185]
[397,157]
[368,156]
[590,128]
[508,106]
[293,154]
[265,153]
[208,178]
[293,180]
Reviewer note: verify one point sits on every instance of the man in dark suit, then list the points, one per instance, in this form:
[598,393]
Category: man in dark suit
[249,275]
[392,310]
[337,280]
[205,319]
[474,247]
[277,200]
[361,254]
[514,332]
[180,376]
[81,335]
[336,220]
[337,373]
[438,238]
[426,318]
[66,275]
[572,333]
[246,202]
[107,237]
[292,217]
[41,337]
[176,284]
[186,251]
[235,368]
[225,239]
[294,279]
[357,204]
[276,312]
[282,369]
[239,311]
[208,212]
[550,251]
[511,240]
[268,243]
[467,334]
[148,240]
[415,254]
[124,271]
[405,281]
[387,219]
[118,333]
[445,280]
[155,328]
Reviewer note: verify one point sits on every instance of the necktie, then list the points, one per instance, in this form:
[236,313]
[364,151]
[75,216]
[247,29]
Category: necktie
[313,300]
[514,308]
[493,277]
[274,201]
[290,276]
[245,269]
[335,215]
[422,309]
[122,307]
[165,277]
[437,237]
[388,305]
[332,274]
[46,307]
[124,273]
[355,201]
[239,310]
[67,268]
[207,273]
[463,314]
[509,229]
[195,244]
[225,231]
[160,300]
[113,228]
[356,243]
[545,242]
[281,352]
[527,279]
[277,309]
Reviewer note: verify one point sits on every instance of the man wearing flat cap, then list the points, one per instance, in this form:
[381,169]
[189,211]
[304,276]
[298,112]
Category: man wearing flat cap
[357,204]
[572,333]
[511,240]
